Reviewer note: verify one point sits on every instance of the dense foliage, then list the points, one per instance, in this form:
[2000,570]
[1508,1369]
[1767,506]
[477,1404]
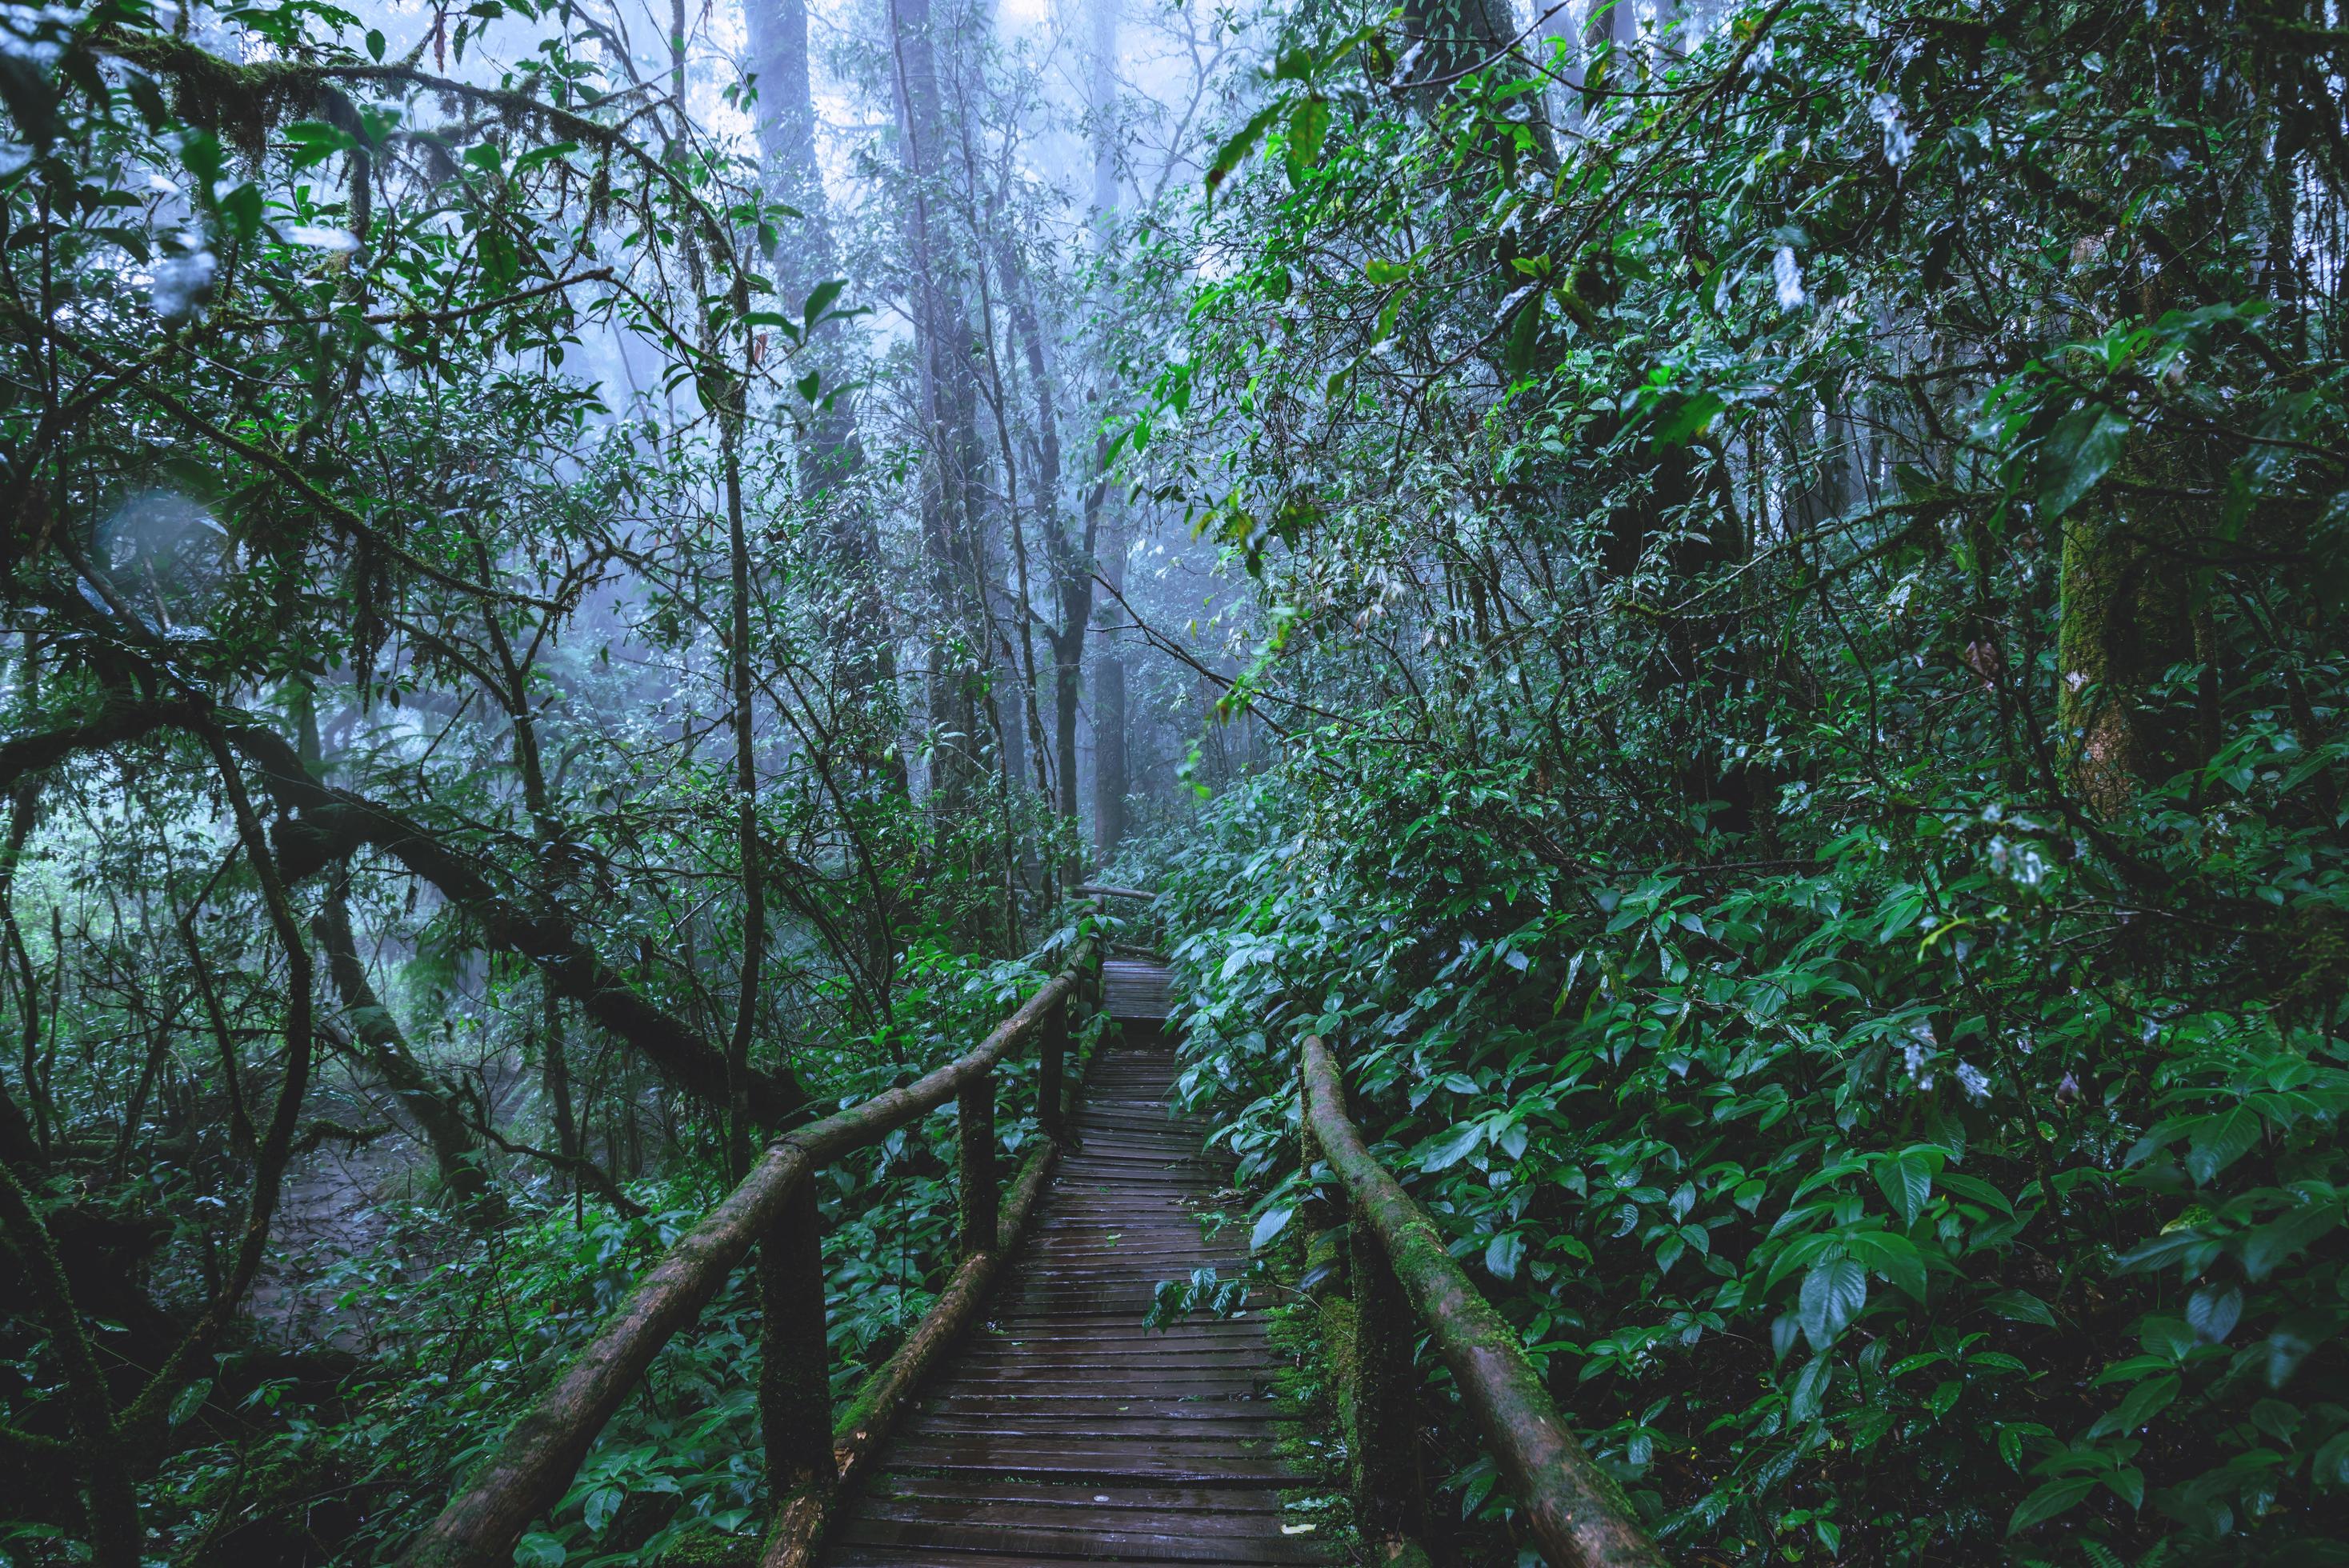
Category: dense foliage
[1804,607]
[1740,603]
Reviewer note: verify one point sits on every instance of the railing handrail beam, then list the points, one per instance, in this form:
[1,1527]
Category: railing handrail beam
[548,1442]
[1573,1506]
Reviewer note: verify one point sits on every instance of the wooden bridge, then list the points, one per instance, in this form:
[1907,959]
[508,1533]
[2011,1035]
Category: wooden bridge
[1066,1429]
[1033,1416]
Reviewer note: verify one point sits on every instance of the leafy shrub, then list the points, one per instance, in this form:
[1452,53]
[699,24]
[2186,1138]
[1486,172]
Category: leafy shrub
[1849,1211]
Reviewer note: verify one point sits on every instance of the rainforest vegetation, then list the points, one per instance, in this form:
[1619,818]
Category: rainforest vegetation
[1740,603]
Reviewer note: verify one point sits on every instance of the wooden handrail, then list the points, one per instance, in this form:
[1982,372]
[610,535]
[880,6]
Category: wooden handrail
[1576,1511]
[528,1474]
[1106,889]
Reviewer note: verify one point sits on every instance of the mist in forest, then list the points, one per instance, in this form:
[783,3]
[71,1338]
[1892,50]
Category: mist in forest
[1736,607]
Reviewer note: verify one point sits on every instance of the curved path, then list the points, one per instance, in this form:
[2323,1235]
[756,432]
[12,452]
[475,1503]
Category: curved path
[1065,1432]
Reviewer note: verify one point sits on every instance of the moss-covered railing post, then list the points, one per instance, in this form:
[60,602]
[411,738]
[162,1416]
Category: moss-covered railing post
[982,1203]
[1390,1502]
[794,1379]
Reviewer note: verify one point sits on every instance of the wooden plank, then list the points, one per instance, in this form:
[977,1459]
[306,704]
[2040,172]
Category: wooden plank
[1046,1456]
[1028,1537]
[979,1557]
[1022,1407]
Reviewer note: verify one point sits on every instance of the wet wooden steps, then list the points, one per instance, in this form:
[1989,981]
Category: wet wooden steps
[1064,1433]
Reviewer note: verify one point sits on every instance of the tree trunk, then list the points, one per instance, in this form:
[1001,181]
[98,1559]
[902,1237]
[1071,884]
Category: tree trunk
[1105,535]
[947,391]
[1111,785]
[804,255]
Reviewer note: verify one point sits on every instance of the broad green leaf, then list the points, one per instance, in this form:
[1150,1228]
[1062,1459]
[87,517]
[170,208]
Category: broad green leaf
[1808,1396]
[2021,1306]
[1833,1294]
[539,1550]
[1447,1150]
[1238,145]
[1309,125]
[1906,1183]
[2212,1312]
[2056,1497]
[2077,454]
[2277,1240]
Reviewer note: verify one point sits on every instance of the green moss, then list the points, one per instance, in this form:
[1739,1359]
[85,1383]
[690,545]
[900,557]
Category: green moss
[712,1552]
[1309,1432]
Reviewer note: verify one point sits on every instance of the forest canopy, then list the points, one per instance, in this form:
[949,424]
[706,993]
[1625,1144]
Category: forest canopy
[1739,604]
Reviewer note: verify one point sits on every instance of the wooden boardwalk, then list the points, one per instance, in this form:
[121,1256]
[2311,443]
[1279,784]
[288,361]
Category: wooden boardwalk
[1065,1432]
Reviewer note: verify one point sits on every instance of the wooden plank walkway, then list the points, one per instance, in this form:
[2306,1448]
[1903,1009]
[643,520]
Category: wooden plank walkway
[1065,1432]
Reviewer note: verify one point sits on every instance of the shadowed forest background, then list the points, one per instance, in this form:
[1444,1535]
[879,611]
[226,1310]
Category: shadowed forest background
[1741,604]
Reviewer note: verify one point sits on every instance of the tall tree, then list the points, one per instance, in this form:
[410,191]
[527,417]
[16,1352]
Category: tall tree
[946,400]
[1106,542]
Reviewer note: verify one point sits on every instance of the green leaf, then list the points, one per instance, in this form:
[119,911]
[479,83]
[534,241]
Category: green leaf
[190,1400]
[1810,1391]
[374,46]
[539,1550]
[601,1505]
[1442,1152]
[1503,1254]
[1833,1294]
[1238,145]
[2212,1312]
[1309,129]
[1907,1182]
[2142,1403]
[1268,1224]
[2021,1306]
[2218,1141]
[2077,454]
[242,208]
[1891,1256]
[1525,337]
[2274,1241]
[30,97]
[1688,421]
[2054,1498]
[820,298]
[2331,1466]
[1980,1191]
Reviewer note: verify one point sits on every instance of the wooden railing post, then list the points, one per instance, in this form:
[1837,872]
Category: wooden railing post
[1390,1502]
[975,1109]
[795,1374]
[1051,1078]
